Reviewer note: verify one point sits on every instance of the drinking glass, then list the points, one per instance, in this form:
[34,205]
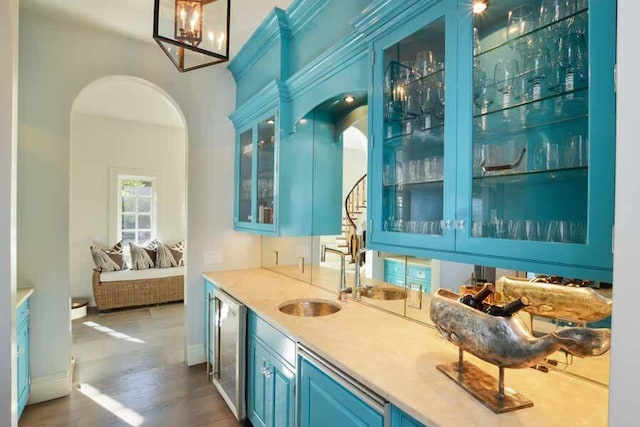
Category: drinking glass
[573,61]
[427,99]
[537,66]
[400,173]
[425,63]
[576,151]
[477,229]
[546,156]
[486,95]
[505,74]
[552,11]
[519,23]
[440,97]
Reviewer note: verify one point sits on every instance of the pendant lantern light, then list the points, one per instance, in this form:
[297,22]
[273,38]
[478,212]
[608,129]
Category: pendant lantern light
[193,33]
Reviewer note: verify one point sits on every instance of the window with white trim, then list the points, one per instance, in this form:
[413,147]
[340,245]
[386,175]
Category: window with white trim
[136,209]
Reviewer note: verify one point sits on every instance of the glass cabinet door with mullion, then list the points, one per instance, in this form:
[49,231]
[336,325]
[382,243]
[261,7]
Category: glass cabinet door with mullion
[255,193]
[537,135]
[414,127]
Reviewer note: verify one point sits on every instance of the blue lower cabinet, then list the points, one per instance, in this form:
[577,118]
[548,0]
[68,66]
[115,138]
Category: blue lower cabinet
[270,388]
[325,402]
[400,419]
[23,371]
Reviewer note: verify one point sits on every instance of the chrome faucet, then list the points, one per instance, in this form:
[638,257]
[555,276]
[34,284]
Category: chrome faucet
[323,258]
[358,283]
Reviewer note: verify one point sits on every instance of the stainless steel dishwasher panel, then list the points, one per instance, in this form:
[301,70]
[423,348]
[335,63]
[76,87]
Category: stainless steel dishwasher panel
[229,349]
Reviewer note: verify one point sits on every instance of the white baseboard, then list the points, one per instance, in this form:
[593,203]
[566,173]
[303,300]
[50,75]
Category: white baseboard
[195,354]
[50,387]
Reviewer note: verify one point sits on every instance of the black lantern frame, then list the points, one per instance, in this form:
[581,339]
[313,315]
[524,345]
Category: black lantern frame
[185,42]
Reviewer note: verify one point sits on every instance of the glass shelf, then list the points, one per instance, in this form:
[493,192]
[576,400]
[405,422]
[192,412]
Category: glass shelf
[532,177]
[536,31]
[516,127]
[417,184]
[550,108]
[433,136]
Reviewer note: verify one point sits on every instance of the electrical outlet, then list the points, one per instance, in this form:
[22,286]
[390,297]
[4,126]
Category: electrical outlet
[414,299]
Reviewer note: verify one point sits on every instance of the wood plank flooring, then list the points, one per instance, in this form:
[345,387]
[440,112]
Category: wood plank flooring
[130,371]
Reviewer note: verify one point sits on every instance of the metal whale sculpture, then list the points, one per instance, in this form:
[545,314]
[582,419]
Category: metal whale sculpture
[578,305]
[506,341]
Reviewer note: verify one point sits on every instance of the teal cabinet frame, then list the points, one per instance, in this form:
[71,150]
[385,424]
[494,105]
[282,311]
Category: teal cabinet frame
[592,260]
[401,419]
[251,223]
[271,378]
[324,402]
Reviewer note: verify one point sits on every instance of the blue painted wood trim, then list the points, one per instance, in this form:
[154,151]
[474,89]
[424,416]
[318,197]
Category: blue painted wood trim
[382,15]
[300,12]
[275,26]
[268,99]
[328,64]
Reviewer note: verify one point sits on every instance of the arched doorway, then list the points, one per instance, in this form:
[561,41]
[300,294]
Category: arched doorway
[127,186]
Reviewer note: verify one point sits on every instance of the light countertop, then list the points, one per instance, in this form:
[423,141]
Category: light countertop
[22,295]
[397,358]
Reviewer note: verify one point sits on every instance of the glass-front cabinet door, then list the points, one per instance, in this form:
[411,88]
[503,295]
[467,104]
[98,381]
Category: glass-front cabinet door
[256,177]
[537,130]
[414,107]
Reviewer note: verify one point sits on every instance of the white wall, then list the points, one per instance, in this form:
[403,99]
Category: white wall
[8,139]
[58,59]
[625,346]
[100,145]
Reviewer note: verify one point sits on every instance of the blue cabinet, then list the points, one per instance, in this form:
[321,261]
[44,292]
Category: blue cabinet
[400,419]
[270,377]
[412,273]
[23,371]
[513,164]
[326,401]
[209,310]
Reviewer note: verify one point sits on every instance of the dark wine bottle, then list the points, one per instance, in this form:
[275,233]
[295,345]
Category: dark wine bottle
[509,309]
[475,301]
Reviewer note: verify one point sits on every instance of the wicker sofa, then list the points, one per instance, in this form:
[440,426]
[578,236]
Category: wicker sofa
[131,288]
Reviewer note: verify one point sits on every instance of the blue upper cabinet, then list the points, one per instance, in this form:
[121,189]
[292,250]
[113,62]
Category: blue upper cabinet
[413,107]
[296,60]
[513,164]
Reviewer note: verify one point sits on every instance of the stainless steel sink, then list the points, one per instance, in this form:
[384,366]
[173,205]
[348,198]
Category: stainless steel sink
[384,293]
[309,307]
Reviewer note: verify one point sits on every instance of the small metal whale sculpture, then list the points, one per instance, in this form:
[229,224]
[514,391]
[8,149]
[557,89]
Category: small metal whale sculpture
[506,341]
[580,305]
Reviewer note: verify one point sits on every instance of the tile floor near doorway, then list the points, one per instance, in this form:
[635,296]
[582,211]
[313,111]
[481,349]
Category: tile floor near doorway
[130,371]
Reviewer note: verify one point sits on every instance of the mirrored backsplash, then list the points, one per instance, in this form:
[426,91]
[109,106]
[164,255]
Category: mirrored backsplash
[404,285]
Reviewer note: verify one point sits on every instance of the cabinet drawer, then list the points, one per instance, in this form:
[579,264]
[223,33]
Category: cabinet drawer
[282,345]
[394,280]
[23,313]
[393,267]
[419,272]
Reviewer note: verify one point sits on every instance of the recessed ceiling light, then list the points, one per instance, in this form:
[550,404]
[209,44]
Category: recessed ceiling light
[303,121]
[480,6]
[349,99]
[271,121]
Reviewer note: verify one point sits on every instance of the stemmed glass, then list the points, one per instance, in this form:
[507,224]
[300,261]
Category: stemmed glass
[519,23]
[573,61]
[505,73]
[427,99]
[537,66]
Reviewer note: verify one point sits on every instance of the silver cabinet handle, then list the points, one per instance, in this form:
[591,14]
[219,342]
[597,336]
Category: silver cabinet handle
[216,338]
[445,224]
[268,372]
[20,352]
[503,167]
[208,349]
[459,224]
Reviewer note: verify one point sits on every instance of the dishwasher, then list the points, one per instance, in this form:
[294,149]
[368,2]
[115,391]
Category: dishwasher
[229,338]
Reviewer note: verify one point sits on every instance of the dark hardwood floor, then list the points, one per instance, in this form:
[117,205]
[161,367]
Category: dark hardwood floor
[130,371]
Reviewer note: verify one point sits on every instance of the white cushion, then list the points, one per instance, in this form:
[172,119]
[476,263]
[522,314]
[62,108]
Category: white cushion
[151,273]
